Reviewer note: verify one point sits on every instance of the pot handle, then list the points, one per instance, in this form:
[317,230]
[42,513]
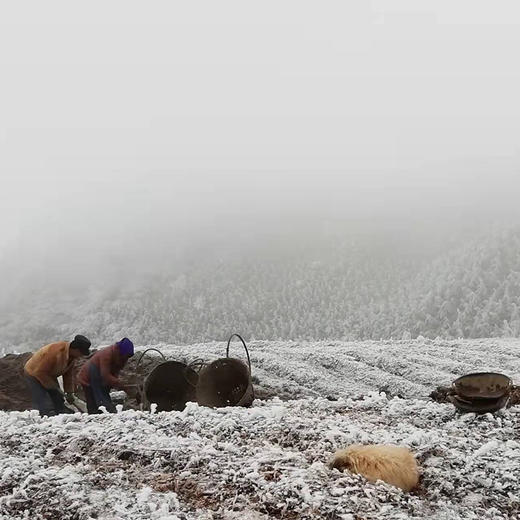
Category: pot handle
[144,352]
[197,364]
[245,347]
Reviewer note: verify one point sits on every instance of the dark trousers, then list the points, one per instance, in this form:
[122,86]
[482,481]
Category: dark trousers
[97,394]
[47,401]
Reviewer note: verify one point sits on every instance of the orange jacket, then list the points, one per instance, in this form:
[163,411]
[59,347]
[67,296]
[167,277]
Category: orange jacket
[51,361]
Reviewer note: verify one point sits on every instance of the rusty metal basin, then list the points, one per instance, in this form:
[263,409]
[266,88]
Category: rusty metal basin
[226,381]
[170,385]
[483,385]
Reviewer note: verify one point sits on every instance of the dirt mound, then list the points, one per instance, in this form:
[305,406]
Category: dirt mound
[515,395]
[441,394]
[14,393]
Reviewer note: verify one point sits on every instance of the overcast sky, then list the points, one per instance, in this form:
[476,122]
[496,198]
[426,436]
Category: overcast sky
[117,116]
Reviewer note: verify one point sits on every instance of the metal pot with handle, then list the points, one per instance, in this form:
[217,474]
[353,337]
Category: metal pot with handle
[226,381]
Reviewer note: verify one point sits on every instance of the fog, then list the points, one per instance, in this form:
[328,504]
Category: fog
[130,133]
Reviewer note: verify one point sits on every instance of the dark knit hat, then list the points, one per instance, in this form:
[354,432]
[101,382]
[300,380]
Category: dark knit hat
[81,343]
[126,347]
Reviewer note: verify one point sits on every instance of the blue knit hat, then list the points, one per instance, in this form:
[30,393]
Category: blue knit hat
[126,347]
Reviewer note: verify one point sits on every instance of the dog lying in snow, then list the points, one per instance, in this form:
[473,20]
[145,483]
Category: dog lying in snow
[392,464]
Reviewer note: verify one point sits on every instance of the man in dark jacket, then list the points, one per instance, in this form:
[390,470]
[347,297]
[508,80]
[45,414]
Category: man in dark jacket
[100,373]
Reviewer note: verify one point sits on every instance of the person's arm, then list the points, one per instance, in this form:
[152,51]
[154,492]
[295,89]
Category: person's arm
[106,374]
[68,380]
[49,382]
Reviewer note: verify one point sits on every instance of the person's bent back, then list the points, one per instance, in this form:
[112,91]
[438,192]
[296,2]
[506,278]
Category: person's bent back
[45,366]
[100,374]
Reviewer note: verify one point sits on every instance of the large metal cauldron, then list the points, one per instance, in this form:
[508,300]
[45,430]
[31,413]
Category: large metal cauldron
[170,385]
[481,392]
[226,381]
[483,385]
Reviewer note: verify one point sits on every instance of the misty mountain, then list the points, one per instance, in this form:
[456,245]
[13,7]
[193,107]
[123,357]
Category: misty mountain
[288,171]
[370,284]
[473,291]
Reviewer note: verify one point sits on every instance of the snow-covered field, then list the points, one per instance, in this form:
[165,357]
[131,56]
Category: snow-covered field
[270,461]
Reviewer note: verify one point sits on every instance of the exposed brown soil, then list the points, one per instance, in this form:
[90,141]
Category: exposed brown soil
[441,393]
[14,394]
[515,395]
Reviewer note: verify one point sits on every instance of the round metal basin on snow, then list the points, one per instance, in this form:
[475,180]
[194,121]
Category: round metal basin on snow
[170,385]
[483,385]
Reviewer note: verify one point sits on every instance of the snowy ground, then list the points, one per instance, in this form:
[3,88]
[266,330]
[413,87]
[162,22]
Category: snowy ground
[270,461]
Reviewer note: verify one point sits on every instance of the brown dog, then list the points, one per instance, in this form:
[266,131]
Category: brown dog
[392,464]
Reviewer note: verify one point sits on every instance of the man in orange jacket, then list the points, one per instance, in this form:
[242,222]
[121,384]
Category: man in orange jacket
[45,366]
[100,373]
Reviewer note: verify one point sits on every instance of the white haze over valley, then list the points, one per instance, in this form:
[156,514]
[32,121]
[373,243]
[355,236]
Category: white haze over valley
[178,172]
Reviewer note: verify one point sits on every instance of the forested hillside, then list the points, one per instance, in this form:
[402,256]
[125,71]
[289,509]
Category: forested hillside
[471,292]
[343,287]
